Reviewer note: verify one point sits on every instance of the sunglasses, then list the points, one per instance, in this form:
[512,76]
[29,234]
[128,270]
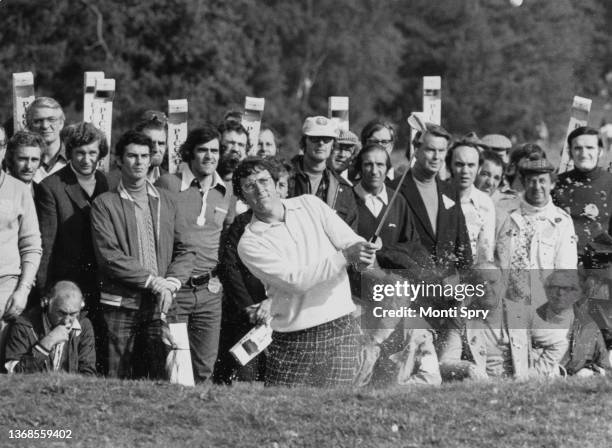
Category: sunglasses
[316,139]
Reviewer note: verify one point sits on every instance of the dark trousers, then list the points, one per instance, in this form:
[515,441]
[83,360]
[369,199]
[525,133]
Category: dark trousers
[133,345]
[201,310]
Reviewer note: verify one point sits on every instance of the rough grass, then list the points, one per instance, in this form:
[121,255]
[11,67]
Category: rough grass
[124,413]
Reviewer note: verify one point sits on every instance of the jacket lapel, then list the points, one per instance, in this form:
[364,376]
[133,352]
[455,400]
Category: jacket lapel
[101,184]
[412,195]
[74,190]
[155,208]
[131,231]
[332,190]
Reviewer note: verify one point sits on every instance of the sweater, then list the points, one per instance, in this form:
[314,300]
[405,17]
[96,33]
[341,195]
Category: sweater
[19,232]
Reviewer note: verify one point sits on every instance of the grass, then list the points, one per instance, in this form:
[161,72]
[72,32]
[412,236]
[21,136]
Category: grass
[99,412]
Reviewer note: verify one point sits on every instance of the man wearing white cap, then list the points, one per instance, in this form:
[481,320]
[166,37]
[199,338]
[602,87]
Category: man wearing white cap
[312,176]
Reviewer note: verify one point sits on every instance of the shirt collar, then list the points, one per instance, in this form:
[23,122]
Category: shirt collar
[61,154]
[259,227]
[123,193]
[187,178]
[383,196]
[475,196]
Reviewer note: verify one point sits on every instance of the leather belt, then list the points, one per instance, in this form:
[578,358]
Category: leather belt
[198,280]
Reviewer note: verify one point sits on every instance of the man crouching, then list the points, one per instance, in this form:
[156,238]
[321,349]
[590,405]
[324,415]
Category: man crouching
[52,337]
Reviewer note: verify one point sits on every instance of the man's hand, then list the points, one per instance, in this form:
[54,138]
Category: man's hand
[16,303]
[158,284]
[55,336]
[361,254]
[260,313]
[164,301]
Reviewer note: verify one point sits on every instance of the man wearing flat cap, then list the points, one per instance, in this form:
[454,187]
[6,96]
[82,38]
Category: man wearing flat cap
[347,147]
[499,144]
[536,235]
[311,174]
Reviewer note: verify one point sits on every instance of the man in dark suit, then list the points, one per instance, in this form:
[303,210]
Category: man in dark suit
[434,204]
[144,258]
[64,207]
[63,201]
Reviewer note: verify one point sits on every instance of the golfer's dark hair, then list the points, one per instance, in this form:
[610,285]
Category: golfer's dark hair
[252,165]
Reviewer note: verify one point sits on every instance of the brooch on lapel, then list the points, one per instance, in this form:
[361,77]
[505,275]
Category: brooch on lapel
[591,211]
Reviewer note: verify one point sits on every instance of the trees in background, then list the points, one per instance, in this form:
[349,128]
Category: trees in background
[504,69]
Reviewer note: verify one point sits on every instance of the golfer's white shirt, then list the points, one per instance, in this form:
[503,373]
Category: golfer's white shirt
[300,263]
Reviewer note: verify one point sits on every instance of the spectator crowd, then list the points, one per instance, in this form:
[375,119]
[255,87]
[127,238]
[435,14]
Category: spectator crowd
[97,266]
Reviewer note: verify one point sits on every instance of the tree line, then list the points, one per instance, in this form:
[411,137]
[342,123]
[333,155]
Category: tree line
[504,69]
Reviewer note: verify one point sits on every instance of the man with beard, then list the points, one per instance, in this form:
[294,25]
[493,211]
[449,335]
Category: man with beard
[206,202]
[234,140]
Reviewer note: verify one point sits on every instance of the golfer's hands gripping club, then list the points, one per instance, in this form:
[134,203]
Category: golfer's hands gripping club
[361,255]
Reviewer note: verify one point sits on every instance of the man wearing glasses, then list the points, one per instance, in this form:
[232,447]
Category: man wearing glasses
[46,117]
[299,248]
[311,174]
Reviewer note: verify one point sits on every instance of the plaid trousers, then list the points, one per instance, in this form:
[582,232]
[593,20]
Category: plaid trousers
[321,356]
